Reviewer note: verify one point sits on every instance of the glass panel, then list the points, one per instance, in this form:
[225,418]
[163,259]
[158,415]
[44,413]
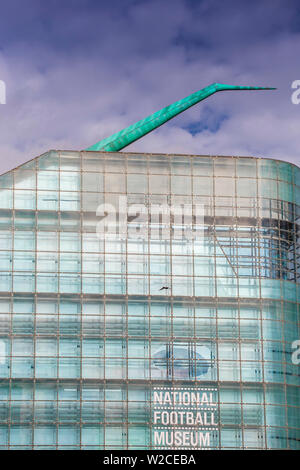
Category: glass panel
[137,183]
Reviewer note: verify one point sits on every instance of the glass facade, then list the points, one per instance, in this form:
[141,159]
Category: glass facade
[96,332]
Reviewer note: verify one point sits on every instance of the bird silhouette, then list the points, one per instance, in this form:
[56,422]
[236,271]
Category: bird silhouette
[164,288]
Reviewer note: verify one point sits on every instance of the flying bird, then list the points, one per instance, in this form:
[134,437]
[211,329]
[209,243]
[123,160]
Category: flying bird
[164,288]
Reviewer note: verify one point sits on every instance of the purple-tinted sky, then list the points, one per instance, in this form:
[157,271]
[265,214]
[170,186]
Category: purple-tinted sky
[77,71]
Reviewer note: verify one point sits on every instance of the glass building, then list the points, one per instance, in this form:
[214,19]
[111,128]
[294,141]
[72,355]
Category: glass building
[143,341]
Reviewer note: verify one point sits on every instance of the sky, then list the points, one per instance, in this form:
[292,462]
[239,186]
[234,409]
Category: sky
[77,71]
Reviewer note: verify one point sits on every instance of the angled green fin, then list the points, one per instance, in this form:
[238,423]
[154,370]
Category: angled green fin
[127,136]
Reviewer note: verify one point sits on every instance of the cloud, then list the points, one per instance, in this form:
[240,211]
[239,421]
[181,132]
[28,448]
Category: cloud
[79,71]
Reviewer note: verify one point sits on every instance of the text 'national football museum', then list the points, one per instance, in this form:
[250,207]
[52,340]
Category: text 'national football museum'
[149,301]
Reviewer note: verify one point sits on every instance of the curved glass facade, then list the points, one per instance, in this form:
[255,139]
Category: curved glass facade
[149,341]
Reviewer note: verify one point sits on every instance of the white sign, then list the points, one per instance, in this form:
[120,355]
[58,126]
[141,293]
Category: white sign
[184,417]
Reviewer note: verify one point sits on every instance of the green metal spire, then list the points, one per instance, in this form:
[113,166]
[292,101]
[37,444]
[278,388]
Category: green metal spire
[132,133]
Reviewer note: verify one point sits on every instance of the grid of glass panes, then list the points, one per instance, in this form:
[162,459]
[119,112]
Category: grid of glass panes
[83,318]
